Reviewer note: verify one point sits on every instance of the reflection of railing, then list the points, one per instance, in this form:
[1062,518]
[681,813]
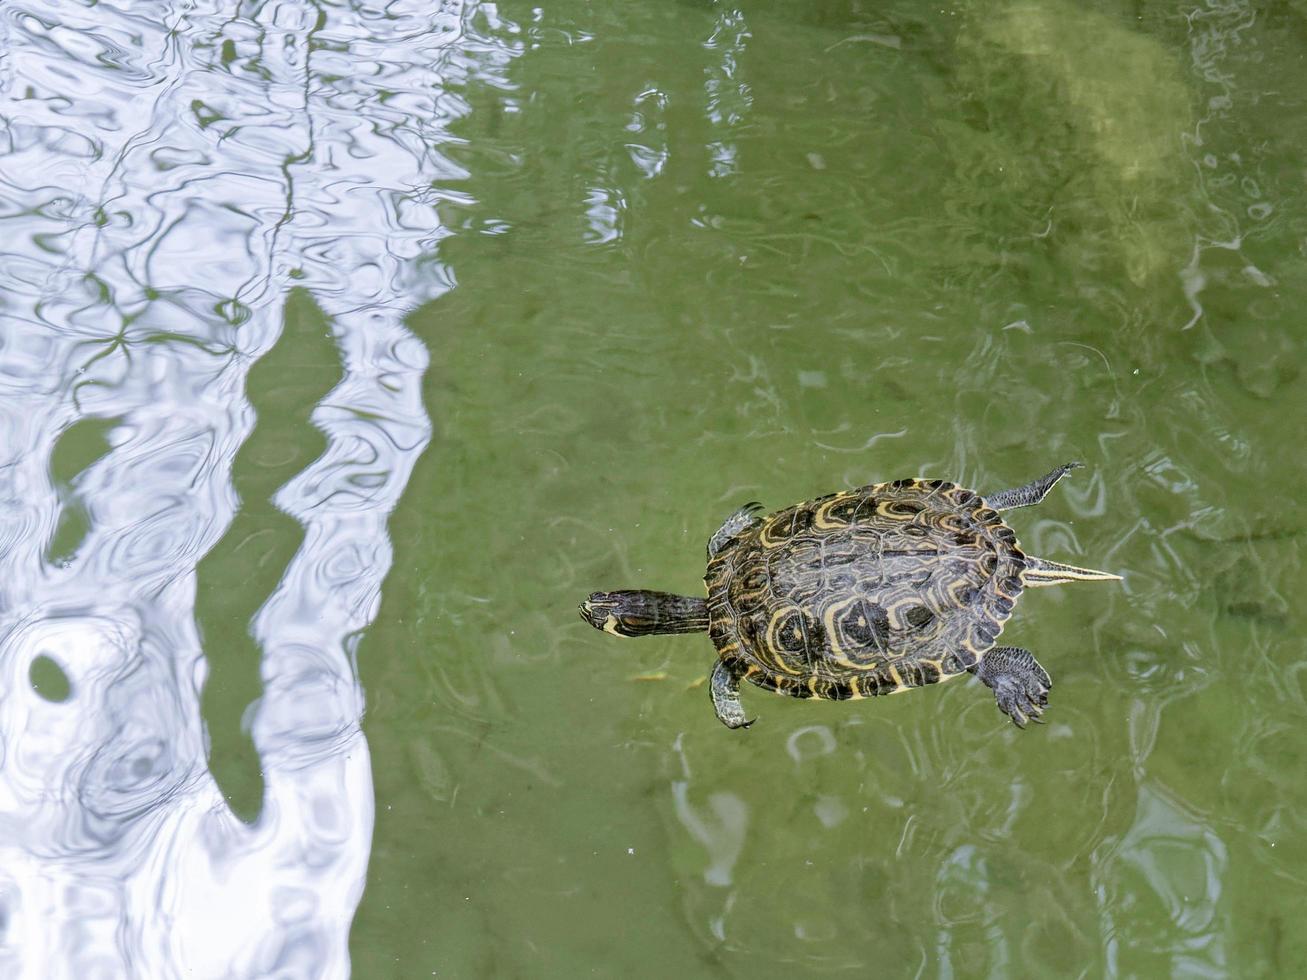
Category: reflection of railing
[179,175]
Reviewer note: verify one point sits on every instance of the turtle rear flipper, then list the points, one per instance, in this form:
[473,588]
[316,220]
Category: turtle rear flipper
[1019,683]
[1033,492]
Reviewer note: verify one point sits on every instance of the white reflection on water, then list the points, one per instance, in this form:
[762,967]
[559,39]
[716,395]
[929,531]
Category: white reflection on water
[728,96]
[719,827]
[171,172]
[1169,862]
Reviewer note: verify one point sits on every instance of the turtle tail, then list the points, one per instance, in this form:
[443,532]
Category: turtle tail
[1041,571]
[637,612]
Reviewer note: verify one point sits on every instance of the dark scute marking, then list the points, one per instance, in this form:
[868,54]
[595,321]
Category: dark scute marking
[880,627]
[791,633]
[989,563]
[968,596]
[867,504]
[957,663]
[1003,603]
[964,540]
[916,531]
[844,510]
[777,529]
[1012,584]
[1006,535]
[865,625]
[816,634]
[917,674]
[919,616]
[884,683]
[908,674]
[837,690]
[802,520]
[934,484]
[817,690]
[965,497]
[906,507]
[786,685]
[986,515]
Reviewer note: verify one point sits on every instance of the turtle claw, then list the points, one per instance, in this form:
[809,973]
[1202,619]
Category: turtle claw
[1019,683]
[1035,710]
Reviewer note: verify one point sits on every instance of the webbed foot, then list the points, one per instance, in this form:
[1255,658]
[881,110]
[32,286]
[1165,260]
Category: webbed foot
[741,520]
[1019,683]
[1032,493]
[725,690]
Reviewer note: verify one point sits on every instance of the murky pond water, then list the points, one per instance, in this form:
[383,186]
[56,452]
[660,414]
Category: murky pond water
[346,346]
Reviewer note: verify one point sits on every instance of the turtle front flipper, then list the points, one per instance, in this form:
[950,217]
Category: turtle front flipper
[741,520]
[1019,683]
[1031,493]
[725,690]
[639,612]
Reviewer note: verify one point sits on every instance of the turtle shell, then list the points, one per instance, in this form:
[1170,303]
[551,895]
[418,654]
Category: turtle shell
[871,591]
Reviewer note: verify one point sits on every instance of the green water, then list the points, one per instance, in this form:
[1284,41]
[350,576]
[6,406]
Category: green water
[709,253]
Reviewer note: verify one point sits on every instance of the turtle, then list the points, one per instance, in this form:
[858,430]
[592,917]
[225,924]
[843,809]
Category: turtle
[860,593]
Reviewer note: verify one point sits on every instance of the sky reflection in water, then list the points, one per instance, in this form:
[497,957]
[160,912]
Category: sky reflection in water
[172,173]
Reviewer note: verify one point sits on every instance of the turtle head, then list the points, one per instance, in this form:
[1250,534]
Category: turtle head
[638,612]
[619,613]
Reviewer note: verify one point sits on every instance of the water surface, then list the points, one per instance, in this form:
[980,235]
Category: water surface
[347,347]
